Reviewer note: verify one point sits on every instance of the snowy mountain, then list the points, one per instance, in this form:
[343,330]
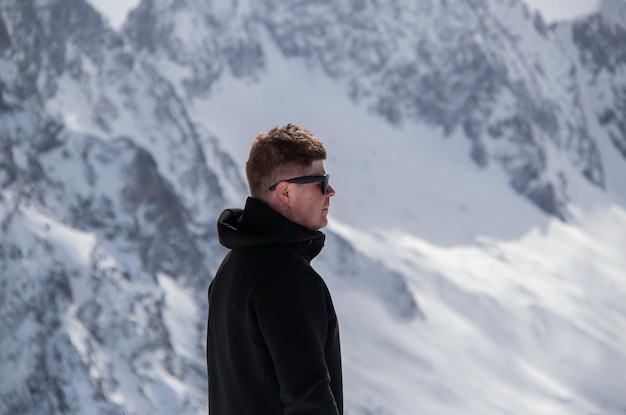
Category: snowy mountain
[476,247]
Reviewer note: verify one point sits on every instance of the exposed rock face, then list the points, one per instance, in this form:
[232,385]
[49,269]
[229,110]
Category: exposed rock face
[599,41]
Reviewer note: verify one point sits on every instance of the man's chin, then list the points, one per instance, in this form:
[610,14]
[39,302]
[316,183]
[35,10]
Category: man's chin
[323,223]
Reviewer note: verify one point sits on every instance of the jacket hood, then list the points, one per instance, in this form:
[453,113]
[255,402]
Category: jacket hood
[258,224]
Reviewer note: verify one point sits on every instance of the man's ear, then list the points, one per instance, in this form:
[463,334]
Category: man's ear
[282,193]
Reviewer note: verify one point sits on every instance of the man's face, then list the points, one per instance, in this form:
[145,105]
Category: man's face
[308,205]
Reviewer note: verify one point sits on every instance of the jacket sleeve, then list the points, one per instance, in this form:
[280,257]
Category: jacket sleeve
[292,315]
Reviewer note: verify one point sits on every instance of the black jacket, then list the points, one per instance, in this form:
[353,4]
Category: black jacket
[273,339]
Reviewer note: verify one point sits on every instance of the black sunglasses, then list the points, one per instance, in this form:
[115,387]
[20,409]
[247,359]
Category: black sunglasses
[323,180]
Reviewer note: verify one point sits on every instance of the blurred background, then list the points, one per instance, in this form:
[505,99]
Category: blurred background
[476,251]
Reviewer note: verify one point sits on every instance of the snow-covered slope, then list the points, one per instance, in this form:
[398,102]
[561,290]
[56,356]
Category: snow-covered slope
[534,325]
[476,246]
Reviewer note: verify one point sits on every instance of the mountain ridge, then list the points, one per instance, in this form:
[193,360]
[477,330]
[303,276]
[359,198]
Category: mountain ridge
[382,77]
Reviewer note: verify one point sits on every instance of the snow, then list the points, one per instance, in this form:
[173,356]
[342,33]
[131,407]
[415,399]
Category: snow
[559,10]
[179,312]
[537,322]
[115,10]
[74,246]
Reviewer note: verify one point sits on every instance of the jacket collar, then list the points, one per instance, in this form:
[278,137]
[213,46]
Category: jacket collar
[258,224]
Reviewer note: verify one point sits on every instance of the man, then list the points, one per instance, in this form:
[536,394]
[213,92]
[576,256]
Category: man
[273,339]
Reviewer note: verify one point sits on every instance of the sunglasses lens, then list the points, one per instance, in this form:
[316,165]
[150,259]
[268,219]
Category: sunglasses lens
[325,185]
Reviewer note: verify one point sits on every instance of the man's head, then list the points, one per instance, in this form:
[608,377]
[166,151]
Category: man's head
[286,153]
